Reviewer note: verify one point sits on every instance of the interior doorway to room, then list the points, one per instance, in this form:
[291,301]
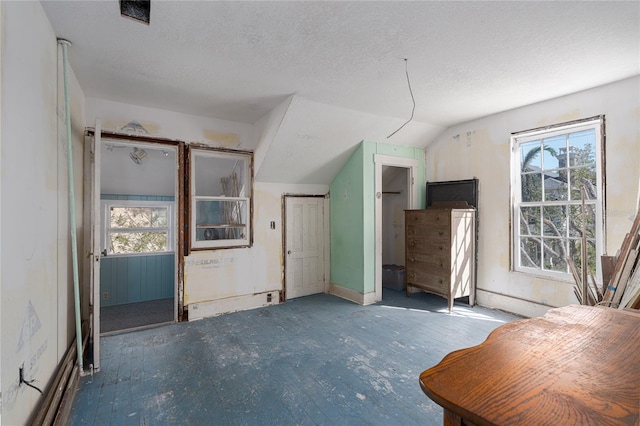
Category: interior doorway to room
[395,200]
[138,239]
[396,191]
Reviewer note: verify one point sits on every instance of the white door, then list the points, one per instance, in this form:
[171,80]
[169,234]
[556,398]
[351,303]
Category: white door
[92,247]
[305,263]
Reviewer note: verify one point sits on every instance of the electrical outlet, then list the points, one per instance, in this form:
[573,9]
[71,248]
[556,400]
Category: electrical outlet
[105,296]
[268,297]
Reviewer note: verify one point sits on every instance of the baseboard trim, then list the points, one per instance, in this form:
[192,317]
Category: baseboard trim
[212,308]
[525,308]
[352,295]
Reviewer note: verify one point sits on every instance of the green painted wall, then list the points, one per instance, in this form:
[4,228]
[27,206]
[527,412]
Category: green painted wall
[353,214]
[347,262]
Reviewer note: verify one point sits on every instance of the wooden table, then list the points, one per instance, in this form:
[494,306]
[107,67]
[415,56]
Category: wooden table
[577,365]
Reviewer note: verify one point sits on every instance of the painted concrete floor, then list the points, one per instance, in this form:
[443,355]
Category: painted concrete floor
[317,360]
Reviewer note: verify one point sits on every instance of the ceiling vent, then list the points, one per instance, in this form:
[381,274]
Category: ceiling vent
[139,10]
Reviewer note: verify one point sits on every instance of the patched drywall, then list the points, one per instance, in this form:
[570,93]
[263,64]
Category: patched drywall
[481,149]
[127,118]
[35,263]
[216,275]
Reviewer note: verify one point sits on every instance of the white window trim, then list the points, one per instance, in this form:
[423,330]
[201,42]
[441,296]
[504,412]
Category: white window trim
[596,123]
[248,182]
[106,205]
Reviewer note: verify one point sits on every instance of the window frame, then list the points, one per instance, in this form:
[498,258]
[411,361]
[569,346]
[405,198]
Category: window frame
[214,244]
[517,139]
[106,229]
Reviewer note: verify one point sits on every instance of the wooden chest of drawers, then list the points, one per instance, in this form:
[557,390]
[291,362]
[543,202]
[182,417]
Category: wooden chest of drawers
[440,252]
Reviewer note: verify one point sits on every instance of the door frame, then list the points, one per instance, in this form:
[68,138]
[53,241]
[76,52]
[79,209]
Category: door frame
[92,217]
[326,240]
[411,164]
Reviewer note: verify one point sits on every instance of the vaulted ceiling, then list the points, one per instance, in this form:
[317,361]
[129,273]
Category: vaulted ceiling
[345,61]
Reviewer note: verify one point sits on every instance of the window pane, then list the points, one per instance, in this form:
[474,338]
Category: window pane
[531,187]
[555,221]
[575,218]
[530,252]
[551,170]
[530,221]
[583,176]
[555,254]
[221,219]
[555,186]
[575,252]
[530,156]
[137,242]
[553,147]
[583,148]
[138,217]
[217,176]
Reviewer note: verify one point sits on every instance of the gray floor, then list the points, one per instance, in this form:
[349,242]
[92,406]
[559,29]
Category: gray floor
[134,315]
[317,360]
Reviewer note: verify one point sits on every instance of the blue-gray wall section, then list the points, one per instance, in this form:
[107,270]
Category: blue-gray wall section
[130,279]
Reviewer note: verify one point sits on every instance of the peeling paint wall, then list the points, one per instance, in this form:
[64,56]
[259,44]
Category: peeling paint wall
[214,275]
[35,263]
[217,276]
[117,116]
[481,148]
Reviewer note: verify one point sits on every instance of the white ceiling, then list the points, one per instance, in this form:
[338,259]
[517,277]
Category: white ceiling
[330,74]
[238,60]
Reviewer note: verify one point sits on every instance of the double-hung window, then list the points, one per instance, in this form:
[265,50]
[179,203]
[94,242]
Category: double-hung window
[220,184]
[137,227]
[553,170]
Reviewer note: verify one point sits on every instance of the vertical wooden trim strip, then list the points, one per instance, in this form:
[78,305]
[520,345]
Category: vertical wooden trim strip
[180,211]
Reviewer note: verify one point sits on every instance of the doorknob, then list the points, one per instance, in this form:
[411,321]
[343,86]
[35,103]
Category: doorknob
[289,252]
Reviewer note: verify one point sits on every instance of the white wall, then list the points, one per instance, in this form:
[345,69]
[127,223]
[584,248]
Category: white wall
[481,148]
[35,263]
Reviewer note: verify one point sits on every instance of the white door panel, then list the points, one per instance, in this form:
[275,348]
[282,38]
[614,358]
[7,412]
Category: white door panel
[304,246]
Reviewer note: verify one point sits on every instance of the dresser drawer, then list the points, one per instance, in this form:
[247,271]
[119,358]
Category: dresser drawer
[427,262]
[428,218]
[430,281]
[432,232]
[434,246]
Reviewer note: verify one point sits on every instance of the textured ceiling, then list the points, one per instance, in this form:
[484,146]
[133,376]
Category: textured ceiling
[238,60]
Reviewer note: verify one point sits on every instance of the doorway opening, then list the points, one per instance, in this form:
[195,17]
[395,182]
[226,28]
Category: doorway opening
[395,192]
[395,200]
[138,218]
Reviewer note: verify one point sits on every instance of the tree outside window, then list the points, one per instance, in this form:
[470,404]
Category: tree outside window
[551,169]
[137,227]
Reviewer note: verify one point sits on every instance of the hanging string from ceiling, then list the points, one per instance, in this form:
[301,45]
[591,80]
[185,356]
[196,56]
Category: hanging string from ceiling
[413,110]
